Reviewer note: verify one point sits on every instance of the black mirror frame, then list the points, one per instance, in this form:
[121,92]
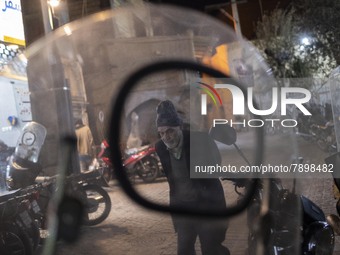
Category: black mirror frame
[114,135]
[229,131]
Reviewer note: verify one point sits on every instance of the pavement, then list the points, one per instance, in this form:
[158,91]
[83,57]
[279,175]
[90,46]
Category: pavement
[133,230]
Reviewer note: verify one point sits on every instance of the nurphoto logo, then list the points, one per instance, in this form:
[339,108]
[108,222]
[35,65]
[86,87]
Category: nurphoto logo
[280,99]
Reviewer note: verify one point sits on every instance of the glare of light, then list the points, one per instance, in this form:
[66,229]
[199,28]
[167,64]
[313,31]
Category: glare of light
[67,30]
[12,47]
[23,58]
[305,41]
[54,3]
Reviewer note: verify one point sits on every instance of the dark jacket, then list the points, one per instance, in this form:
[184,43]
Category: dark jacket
[203,152]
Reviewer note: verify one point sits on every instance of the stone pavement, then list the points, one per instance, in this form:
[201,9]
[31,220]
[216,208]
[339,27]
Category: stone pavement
[133,230]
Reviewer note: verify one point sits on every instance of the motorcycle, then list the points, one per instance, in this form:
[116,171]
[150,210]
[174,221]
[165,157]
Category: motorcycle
[23,164]
[103,162]
[316,233]
[334,220]
[142,162]
[306,124]
[19,231]
[84,194]
[325,136]
[304,128]
[85,187]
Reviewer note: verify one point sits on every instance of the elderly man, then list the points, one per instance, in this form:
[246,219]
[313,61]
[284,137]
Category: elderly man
[175,149]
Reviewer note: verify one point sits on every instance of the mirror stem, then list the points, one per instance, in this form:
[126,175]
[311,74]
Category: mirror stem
[241,153]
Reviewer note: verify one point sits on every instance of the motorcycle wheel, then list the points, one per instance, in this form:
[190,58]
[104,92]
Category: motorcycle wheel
[34,235]
[147,169]
[97,206]
[13,242]
[106,173]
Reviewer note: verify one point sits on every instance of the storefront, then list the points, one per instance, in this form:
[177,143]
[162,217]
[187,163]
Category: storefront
[12,38]
[15,104]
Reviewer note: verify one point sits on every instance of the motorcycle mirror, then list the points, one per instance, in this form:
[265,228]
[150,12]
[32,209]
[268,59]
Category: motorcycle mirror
[30,142]
[115,140]
[223,133]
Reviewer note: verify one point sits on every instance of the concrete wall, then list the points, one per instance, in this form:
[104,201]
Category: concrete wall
[104,66]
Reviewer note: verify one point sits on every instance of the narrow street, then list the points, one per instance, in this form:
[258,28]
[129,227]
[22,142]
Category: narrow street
[131,229]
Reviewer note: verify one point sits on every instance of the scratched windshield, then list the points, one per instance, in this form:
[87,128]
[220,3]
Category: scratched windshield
[198,128]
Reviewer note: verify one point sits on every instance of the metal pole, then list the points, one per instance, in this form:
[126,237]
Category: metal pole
[46,16]
[261,8]
[236,18]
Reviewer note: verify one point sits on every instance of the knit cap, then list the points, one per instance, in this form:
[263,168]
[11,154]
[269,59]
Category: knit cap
[167,115]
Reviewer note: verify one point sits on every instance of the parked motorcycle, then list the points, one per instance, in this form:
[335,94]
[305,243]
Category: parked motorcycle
[316,233]
[87,187]
[325,136]
[103,162]
[19,232]
[304,128]
[84,194]
[84,189]
[142,162]
[23,164]
[307,123]
[279,222]
[19,227]
[334,160]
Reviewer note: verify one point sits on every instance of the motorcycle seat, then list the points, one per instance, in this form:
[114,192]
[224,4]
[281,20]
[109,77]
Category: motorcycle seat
[136,150]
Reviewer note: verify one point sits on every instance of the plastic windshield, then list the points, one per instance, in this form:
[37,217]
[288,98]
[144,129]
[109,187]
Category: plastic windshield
[75,73]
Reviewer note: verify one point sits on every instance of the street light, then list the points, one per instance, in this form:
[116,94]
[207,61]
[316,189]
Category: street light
[55,14]
[48,12]
[53,18]
[53,3]
[305,41]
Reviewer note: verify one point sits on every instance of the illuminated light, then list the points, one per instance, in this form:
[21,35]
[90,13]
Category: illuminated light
[54,3]
[305,41]
[67,30]
[13,47]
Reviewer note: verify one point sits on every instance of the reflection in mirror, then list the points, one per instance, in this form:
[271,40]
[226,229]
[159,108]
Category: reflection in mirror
[179,137]
[273,200]
[223,134]
[167,118]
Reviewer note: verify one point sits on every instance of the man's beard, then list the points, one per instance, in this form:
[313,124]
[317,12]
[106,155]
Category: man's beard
[175,142]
